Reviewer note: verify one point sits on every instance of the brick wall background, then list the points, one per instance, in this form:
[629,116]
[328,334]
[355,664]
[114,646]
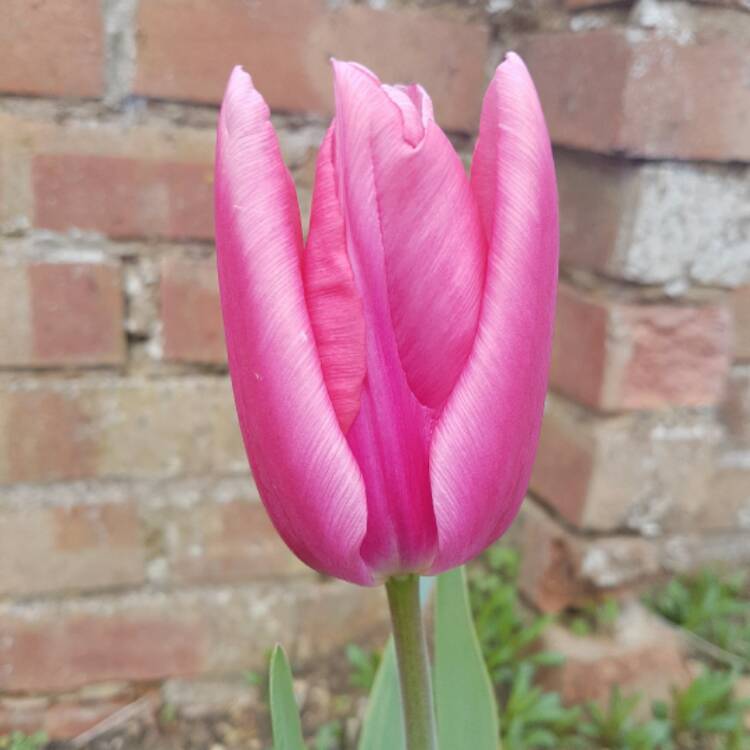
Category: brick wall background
[133,548]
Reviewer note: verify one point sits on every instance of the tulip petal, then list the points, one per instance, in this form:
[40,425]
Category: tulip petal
[390,435]
[434,245]
[305,472]
[332,299]
[484,444]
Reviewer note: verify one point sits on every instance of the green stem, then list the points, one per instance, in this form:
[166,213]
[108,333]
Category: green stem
[413,662]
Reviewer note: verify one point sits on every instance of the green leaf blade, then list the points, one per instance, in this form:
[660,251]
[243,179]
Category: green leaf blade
[465,701]
[285,721]
[383,726]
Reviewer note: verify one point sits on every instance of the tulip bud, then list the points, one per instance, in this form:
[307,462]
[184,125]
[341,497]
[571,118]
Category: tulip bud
[390,376]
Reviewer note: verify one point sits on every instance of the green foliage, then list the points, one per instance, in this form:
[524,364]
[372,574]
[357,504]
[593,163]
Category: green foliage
[363,666]
[533,718]
[617,726]
[285,721]
[21,741]
[508,639]
[328,736]
[167,714]
[467,714]
[708,710]
[597,617]
[704,716]
[714,608]
[383,726]
[253,677]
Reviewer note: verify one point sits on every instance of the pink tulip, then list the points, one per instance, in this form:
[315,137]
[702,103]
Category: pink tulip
[390,374]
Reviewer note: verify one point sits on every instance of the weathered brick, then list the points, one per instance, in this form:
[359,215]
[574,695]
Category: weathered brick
[102,427]
[654,223]
[155,635]
[22,714]
[586,4]
[188,47]
[84,547]
[739,303]
[84,645]
[59,314]
[123,197]
[726,548]
[614,355]
[644,471]
[226,542]
[123,181]
[730,491]
[642,655]
[608,90]
[192,328]
[52,48]
[67,720]
[735,410]
[560,569]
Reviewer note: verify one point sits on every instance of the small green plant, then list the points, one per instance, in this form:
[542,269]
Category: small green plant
[714,608]
[253,677]
[597,617]
[167,714]
[703,716]
[533,718]
[616,726]
[707,710]
[328,736]
[22,741]
[363,666]
[508,638]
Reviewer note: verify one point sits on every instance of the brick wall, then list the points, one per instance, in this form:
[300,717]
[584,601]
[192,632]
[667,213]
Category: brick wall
[133,548]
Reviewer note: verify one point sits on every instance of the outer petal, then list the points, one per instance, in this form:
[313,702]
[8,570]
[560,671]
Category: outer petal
[332,300]
[484,445]
[302,465]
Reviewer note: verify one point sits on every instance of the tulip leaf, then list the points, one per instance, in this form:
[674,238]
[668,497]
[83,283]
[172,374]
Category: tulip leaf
[285,721]
[383,726]
[465,702]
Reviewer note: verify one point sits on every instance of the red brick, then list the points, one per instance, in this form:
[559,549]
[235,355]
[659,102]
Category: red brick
[99,427]
[77,313]
[85,547]
[123,197]
[52,48]
[647,471]
[60,314]
[188,47]
[190,312]
[153,635]
[227,542]
[739,303]
[579,348]
[68,652]
[615,355]
[46,435]
[641,656]
[609,91]
[130,180]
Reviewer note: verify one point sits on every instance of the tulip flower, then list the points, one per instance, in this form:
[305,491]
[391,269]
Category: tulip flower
[389,373]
